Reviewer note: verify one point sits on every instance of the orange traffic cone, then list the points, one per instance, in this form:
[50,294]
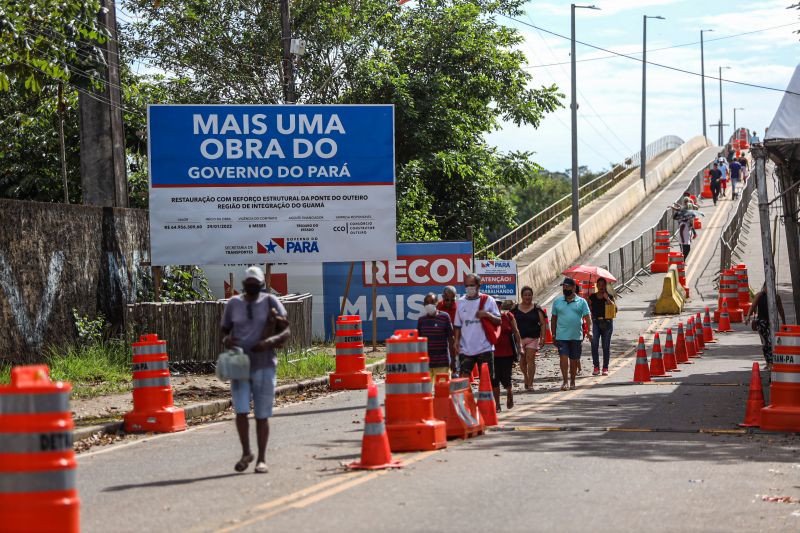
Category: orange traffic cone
[656,360]
[708,331]
[473,378]
[698,333]
[755,400]
[486,404]
[548,335]
[724,324]
[695,333]
[641,373]
[681,355]
[670,364]
[375,452]
[691,347]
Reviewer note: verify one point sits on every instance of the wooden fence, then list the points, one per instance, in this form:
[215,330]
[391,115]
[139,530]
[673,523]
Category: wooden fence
[191,329]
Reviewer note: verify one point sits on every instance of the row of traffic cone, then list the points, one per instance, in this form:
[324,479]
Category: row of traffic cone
[689,344]
[376,453]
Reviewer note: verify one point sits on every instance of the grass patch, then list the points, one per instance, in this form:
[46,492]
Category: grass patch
[294,366]
[93,370]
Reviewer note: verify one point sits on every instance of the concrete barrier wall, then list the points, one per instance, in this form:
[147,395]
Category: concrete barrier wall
[539,273]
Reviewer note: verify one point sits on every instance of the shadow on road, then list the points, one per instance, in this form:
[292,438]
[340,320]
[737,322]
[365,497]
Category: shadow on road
[168,482]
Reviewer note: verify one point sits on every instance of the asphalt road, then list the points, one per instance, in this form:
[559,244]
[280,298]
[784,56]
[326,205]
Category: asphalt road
[608,456]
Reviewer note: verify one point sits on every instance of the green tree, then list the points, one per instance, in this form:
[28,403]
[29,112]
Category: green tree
[451,70]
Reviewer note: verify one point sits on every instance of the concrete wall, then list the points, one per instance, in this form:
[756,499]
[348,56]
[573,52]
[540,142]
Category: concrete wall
[540,272]
[55,258]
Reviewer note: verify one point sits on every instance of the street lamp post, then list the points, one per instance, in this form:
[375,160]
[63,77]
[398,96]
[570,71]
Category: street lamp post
[643,148]
[720,105]
[576,225]
[703,79]
[735,109]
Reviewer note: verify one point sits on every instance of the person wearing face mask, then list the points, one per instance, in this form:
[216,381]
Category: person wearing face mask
[570,313]
[436,326]
[256,322]
[472,345]
[448,302]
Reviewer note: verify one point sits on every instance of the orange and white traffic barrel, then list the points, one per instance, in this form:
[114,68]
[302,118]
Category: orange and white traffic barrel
[729,288]
[37,464]
[409,400]
[661,254]
[783,411]
[351,363]
[153,407]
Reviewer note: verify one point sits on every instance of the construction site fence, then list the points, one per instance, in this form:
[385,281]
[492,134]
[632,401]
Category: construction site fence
[526,233]
[628,261]
[729,238]
[192,329]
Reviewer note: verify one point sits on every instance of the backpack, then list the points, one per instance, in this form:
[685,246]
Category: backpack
[492,332]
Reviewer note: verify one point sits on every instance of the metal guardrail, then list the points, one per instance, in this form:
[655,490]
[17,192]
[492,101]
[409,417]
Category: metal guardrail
[632,259]
[729,238]
[526,233]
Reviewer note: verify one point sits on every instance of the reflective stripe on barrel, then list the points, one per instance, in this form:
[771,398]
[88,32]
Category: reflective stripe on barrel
[785,377]
[150,349]
[408,388]
[407,347]
[456,386]
[34,403]
[349,327]
[150,382]
[46,481]
[786,359]
[786,340]
[150,365]
[374,428]
[350,338]
[406,368]
[349,351]
[462,411]
[57,441]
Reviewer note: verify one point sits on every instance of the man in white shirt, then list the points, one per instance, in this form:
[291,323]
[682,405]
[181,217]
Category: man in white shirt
[472,344]
[685,235]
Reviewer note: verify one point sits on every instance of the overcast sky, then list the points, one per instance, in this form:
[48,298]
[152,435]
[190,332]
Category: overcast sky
[609,95]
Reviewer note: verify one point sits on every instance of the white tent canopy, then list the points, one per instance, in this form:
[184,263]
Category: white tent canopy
[786,124]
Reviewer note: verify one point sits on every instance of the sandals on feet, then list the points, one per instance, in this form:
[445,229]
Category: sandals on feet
[564,386]
[244,462]
[261,468]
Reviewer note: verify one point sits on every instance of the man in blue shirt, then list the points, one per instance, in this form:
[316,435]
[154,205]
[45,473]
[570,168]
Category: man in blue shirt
[569,313]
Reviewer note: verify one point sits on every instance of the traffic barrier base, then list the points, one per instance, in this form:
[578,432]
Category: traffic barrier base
[38,490]
[672,297]
[454,403]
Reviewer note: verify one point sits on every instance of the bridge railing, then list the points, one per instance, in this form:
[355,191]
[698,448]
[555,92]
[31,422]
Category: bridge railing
[729,238]
[526,233]
[628,261]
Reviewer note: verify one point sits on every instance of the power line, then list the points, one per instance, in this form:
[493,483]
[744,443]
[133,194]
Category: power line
[668,67]
[665,47]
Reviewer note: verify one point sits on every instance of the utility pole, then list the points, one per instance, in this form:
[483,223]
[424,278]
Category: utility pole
[63,151]
[760,155]
[289,96]
[703,80]
[576,223]
[104,176]
[721,138]
[643,148]
[735,109]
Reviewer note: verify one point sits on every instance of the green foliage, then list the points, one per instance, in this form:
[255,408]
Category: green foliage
[93,369]
[46,40]
[178,284]
[451,70]
[90,330]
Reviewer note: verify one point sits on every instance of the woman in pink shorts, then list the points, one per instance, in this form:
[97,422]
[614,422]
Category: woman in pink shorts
[530,321]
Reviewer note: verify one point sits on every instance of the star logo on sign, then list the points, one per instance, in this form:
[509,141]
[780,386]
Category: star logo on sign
[271,247]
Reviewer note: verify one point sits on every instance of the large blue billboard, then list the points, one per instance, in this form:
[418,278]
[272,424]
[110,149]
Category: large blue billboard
[420,268]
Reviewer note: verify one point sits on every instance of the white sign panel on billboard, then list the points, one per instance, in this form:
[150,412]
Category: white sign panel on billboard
[264,183]
[498,277]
